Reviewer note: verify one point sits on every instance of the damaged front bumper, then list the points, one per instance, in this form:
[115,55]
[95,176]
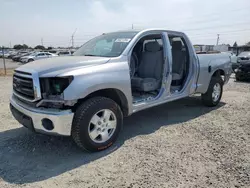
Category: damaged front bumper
[47,121]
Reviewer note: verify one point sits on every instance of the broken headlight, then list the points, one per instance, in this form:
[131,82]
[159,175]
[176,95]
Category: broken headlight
[54,86]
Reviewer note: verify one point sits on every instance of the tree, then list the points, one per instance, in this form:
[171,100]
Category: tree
[248,43]
[235,44]
[40,47]
[25,46]
[49,48]
[18,47]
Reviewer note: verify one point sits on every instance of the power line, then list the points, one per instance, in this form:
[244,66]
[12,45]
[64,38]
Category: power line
[223,32]
[210,15]
[196,35]
[213,27]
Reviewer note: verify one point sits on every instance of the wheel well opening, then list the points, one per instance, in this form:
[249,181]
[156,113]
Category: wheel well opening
[114,94]
[220,73]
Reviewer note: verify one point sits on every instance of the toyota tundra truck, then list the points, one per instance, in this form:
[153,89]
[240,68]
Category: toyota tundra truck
[87,95]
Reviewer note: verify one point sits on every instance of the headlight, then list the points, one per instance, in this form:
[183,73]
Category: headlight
[55,85]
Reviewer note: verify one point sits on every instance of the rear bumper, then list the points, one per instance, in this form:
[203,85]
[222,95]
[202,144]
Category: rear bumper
[33,118]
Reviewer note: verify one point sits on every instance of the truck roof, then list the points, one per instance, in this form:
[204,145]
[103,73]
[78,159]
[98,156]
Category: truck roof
[144,30]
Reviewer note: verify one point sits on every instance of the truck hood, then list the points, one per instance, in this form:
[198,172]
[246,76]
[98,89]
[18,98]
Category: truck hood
[56,65]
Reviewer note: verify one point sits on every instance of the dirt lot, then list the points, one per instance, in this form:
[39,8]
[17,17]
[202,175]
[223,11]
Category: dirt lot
[9,64]
[181,144]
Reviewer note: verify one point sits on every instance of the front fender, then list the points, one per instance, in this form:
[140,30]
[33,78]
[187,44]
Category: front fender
[105,76]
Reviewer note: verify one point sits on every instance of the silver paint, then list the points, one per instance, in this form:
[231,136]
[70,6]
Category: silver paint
[96,73]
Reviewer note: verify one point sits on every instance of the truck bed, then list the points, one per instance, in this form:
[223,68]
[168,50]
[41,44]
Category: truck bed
[209,63]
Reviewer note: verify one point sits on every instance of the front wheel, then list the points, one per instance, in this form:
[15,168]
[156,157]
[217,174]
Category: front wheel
[96,124]
[214,93]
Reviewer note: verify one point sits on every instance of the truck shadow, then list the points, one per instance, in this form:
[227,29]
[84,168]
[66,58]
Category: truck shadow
[26,157]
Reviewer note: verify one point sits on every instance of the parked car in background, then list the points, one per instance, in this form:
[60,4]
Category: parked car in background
[8,53]
[52,51]
[243,67]
[19,55]
[4,53]
[233,59]
[36,56]
[244,57]
[114,75]
[12,54]
[64,53]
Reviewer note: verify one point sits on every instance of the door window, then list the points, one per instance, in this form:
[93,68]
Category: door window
[40,54]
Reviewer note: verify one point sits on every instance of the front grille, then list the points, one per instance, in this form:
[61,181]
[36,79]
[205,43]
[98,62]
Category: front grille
[23,86]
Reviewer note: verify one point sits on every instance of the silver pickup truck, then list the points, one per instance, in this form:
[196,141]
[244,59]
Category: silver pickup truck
[112,76]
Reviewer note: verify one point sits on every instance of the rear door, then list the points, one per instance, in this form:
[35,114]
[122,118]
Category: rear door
[167,77]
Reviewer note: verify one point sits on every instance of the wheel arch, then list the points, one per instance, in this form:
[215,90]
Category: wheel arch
[112,93]
[219,73]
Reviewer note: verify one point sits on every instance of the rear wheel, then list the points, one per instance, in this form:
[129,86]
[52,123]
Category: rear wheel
[214,93]
[96,124]
[30,60]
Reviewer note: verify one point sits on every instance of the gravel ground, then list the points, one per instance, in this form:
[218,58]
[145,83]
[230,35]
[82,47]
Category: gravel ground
[180,144]
[9,64]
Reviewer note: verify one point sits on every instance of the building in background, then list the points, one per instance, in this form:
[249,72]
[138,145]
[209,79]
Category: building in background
[238,49]
[209,48]
[203,47]
[222,47]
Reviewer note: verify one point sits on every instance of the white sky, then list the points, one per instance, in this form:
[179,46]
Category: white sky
[55,20]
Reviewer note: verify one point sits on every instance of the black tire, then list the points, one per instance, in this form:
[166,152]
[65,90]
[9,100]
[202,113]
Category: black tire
[238,77]
[207,98]
[82,118]
[30,60]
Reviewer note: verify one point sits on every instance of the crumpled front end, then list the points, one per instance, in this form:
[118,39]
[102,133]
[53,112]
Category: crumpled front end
[29,108]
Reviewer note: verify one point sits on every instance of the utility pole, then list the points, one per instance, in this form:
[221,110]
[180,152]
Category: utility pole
[42,41]
[10,44]
[72,38]
[132,26]
[218,39]
[4,61]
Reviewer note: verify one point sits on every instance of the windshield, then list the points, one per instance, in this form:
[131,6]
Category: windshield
[106,45]
[244,54]
[31,54]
